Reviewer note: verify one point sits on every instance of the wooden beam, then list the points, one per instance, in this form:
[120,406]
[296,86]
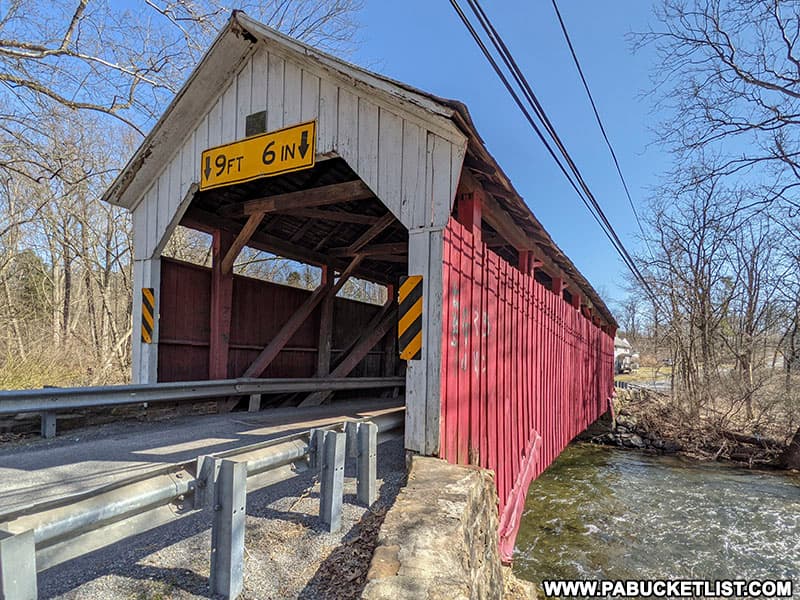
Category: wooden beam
[221,302]
[205,221]
[493,240]
[301,231]
[337,216]
[476,165]
[576,299]
[241,241]
[469,211]
[390,343]
[366,343]
[326,238]
[375,249]
[325,341]
[525,261]
[373,323]
[271,351]
[557,286]
[504,224]
[370,234]
[394,258]
[319,196]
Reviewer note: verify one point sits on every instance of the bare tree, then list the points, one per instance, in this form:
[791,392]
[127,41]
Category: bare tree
[726,241]
[80,82]
[729,79]
[105,57]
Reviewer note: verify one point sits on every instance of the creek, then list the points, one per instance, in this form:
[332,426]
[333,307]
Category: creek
[604,513]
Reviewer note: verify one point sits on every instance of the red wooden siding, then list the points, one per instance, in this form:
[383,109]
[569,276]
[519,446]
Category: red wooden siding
[523,372]
[259,310]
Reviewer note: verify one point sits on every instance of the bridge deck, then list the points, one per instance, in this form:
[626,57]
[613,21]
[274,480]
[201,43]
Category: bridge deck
[44,470]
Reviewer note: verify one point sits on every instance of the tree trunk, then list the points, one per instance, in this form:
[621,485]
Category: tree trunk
[67,295]
[791,456]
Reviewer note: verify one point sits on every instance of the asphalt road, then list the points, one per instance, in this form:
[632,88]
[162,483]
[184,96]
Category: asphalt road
[38,470]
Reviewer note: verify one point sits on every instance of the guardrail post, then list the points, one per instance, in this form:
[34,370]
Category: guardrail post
[48,424]
[207,470]
[351,430]
[331,490]
[255,403]
[227,531]
[17,566]
[367,463]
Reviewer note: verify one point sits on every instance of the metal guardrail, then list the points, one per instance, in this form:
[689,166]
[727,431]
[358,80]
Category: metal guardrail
[48,401]
[37,538]
[636,387]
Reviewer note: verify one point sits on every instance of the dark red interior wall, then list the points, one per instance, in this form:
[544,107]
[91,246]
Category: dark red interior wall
[259,311]
[184,307]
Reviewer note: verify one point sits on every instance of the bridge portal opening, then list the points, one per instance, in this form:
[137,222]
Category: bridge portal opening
[332,312]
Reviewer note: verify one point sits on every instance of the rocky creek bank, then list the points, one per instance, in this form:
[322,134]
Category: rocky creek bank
[647,421]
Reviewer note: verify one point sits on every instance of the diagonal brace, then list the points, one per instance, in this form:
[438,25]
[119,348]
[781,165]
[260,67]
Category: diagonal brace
[271,351]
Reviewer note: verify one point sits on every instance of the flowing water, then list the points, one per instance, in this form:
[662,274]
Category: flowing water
[602,513]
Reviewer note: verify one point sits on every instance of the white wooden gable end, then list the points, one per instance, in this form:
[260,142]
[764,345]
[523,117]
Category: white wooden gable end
[403,145]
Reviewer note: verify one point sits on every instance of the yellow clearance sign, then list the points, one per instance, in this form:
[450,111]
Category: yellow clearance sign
[289,149]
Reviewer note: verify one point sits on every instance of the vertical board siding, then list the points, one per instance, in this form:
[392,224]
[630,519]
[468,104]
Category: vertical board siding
[523,372]
[310,102]
[292,93]
[275,70]
[259,310]
[328,126]
[258,91]
[244,97]
[413,170]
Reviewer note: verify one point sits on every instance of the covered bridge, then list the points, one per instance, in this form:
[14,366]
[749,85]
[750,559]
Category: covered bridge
[508,354]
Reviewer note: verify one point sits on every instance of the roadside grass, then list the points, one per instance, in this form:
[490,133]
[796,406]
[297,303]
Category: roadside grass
[646,374]
[58,368]
[39,372]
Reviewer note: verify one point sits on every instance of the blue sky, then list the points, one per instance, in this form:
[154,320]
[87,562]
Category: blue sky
[424,43]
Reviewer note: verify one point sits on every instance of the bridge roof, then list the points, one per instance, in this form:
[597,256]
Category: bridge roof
[234,45]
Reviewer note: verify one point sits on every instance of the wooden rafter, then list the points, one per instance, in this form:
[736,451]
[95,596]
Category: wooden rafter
[200,219]
[370,234]
[374,250]
[319,196]
[301,231]
[241,241]
[504,225]
[476,165]
[327,238]
[337,216]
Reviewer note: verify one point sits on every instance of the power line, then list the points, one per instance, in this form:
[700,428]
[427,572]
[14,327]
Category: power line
[518,101]
[597,117]
[511,64]
[574,175]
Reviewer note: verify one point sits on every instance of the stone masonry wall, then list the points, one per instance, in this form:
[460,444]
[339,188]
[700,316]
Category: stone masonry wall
[439,540]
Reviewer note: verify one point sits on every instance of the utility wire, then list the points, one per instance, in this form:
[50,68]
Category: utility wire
[521,105]
[581,188]
[511,64]
[597,117]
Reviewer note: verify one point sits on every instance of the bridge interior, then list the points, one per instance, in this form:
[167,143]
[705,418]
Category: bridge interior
[242,327]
